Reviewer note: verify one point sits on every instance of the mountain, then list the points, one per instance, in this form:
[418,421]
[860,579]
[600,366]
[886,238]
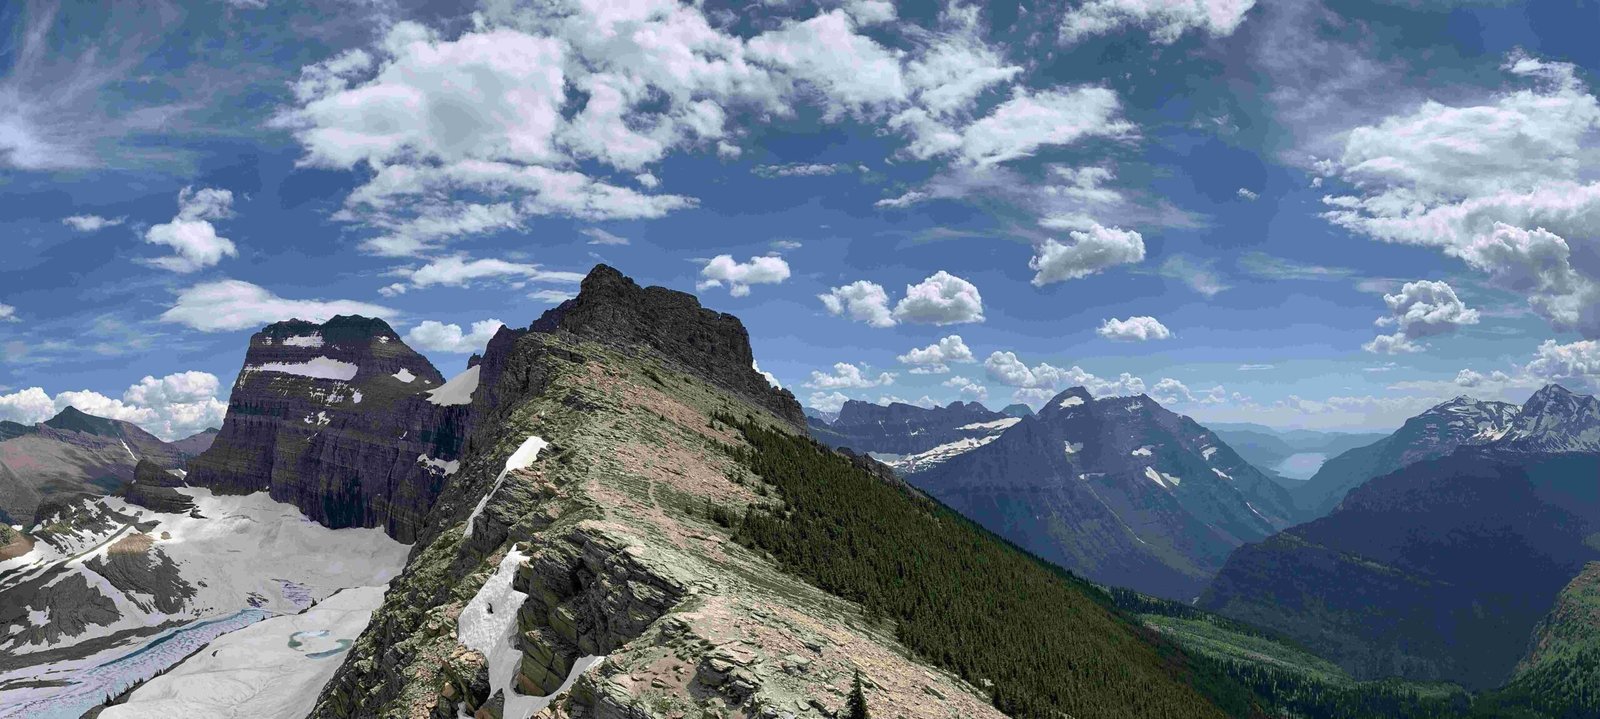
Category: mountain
[1017,410]
[72,454]
[1119,489]
[641,527]
[819,415]
[343,421]
[1434,433]
[1560,675]
[911,438]
[9,429]
[1442,568]
[195,444]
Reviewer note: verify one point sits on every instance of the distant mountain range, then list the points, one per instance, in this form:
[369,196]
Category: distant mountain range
[1269,448]
[75,454]
[1440,567]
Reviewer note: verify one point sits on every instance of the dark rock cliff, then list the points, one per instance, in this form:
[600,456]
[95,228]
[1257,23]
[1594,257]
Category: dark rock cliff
[900,428]
[336,419]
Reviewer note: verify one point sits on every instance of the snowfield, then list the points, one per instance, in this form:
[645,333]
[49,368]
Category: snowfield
[273,669]
[317,367]
[458,390]
[521,459]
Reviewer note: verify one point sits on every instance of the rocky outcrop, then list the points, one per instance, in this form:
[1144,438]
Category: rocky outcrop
[1119,490]
[155,488]
[672,326]
[339,420]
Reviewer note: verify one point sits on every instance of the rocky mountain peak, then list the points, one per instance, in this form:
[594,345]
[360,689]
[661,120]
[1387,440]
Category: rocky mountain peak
[612,309]
[1555,419]
[73,419]
[348,348]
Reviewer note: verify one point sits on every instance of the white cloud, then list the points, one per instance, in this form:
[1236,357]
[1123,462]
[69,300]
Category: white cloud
[870,12]
[1171,391]
[935,358]
[1028,121]
[941,299]
[1166,20]
[861,301]
[851,72]
[848,376]
[1574,360]
[435,336]
[1248,195]
[8,313]
[171,407]
[1091,251]
[228,305]
[827,401]
[801,169]
[924,401]
[1421,309]
[1255,367]
[191,235]
[772,379]
[598,236]
[91,223]
[969,389]
[458,271]
[1043,379]
[1134,329]
[722,270]
[1499,184]
[553,297]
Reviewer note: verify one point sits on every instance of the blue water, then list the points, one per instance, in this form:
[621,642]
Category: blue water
[1301,466]
[93,686]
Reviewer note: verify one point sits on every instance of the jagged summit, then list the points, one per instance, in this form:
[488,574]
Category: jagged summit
[1554,419]
[346,347]
[73,419]
[613,309]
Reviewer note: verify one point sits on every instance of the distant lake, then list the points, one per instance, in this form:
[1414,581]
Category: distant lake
[1301,466]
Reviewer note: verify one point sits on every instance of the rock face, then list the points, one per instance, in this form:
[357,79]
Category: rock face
[339,420]
[1434,433]
[154,487]
[75,454]
[1119,490]
[904,429]
[1438,570]
[612,309]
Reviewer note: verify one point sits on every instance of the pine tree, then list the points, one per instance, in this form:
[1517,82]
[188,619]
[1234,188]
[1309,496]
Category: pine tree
[856,706]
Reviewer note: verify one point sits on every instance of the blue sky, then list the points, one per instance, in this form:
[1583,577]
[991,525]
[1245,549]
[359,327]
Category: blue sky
[1300,213]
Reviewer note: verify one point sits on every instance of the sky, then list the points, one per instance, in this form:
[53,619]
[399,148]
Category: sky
[1299,213]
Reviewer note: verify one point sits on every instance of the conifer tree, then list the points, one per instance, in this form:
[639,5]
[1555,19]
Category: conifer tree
[856,706]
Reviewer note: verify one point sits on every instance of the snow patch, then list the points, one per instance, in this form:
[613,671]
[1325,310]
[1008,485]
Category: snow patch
[1222,474]
[458,390]
[1207,452]
[318,367]
[404,375]
[311,340]
[999,424]
[1072,401]
[489,625]
[1141,452]
[356,397]
[940,454]
[520,459]
[1072,447]
[1151,474]
[131,455]
[38,617]
[439,465]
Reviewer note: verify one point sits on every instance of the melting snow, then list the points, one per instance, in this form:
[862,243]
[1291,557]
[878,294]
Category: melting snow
[1072,447]
[923,460]
[999,424]
[357,396]
[318,367]
[311,340]
[1154,476]
[458,390]
[404,375]
[1207,452]
[131,455]
[489,625]
[1072,401]
[38,617]
[520,459]
[1222,474]
[1141,452]
[273,668]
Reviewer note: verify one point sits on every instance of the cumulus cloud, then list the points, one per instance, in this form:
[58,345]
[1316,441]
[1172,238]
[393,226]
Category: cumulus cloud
[851,72]
[848,376]
[969,389]
[190,234]
[1421,309]
[1092,250]
[1040,381]
[1248,195]
[91,223]
[827,401]
[1166,20]
[1171,391]
[1498,183]
[942,299]
[171,407]
[772,379]
[435,336]
[861,301]
[924,401]
[8,313]
[1574,360]
[227,305]
[722,270]
[936,358]
[1134,329]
